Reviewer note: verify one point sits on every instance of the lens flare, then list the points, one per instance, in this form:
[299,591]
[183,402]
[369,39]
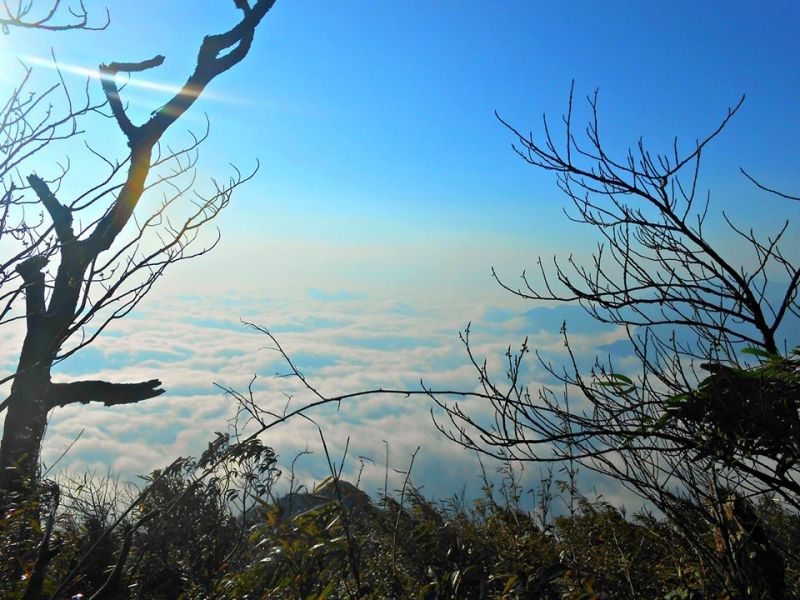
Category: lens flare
[123,80]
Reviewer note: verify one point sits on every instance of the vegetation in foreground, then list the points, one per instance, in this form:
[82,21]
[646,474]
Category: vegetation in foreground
[183,536]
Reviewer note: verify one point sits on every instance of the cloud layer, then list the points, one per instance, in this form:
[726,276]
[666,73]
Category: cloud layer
[341,342]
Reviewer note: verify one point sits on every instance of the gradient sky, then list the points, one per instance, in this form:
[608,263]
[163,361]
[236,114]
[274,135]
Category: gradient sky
[386,180]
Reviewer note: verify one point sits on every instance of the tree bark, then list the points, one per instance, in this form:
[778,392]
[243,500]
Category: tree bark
[32,393]
[27,414]
[50,323]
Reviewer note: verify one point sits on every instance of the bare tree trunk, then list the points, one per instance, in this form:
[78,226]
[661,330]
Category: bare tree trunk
[27,410]
[24,429]
[53,317]
[32,393]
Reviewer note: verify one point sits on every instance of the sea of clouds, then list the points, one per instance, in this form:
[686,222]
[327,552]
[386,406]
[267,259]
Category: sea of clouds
[342,343]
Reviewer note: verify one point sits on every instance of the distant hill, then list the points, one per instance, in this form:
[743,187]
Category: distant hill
[296,503]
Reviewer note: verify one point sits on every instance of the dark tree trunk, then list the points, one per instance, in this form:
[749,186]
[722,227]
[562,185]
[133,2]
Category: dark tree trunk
[61,309]
[51,321]
[32,393]
[24,427]
[27,409]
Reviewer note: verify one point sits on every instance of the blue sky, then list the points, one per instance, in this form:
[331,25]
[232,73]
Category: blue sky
[385,178]
[375,119]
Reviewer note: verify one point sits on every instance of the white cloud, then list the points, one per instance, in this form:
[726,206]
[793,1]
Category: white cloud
[342,344]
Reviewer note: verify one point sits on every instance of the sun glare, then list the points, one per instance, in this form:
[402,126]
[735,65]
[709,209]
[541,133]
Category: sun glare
[122,80]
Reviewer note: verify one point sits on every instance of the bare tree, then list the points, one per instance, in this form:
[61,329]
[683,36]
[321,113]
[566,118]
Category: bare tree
[100,274]
[24,14]
[713,409]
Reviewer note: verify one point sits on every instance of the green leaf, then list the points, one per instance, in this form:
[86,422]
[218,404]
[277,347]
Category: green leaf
[423,591]
[322,484]
[677,399]
[549,575]
[759,352]
[512,581]
[326,591]
[455,578]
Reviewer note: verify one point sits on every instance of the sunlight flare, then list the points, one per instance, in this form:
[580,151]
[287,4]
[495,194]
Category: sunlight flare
[96,74]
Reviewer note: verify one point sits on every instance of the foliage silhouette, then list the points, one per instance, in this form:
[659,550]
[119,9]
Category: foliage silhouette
[99,275]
